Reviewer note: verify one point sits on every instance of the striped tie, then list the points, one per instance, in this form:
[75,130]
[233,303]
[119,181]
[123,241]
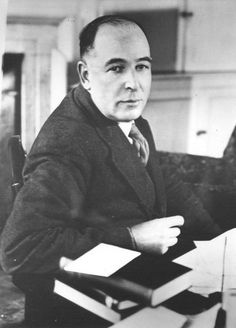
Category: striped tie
[140,144]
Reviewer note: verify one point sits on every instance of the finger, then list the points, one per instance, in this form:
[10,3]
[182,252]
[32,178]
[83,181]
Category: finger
[172,241]
[173,232]
[164,249]
[176,220]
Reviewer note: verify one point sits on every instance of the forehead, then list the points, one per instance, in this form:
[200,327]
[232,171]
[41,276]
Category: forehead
[122,41]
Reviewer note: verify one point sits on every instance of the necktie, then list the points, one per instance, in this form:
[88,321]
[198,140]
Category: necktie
[140,144]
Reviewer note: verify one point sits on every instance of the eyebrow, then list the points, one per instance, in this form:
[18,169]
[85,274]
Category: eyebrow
[121,60]
[147,58]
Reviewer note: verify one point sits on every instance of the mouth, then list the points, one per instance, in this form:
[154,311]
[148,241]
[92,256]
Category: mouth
[132,102]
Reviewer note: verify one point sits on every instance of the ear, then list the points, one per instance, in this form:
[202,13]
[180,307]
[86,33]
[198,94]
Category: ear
[82,69]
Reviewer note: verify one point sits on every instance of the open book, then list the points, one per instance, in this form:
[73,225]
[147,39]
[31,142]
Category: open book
[213,263]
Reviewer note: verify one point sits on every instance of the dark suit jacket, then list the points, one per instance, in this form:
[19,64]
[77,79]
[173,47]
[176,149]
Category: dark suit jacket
[84,184]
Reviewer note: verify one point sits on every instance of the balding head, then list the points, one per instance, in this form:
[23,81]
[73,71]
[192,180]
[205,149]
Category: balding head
[89,32]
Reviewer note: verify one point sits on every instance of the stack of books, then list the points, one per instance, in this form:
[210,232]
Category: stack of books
[113,282]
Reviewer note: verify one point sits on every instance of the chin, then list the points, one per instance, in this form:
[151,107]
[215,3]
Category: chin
[128,118]
[134,115]
[127,114]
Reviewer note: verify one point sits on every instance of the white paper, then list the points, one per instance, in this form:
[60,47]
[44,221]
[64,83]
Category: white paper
[205,319]
[207,263]
[153,317]
[102,260]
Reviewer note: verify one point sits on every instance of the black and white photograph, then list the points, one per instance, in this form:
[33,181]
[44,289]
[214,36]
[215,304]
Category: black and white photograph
[118,164]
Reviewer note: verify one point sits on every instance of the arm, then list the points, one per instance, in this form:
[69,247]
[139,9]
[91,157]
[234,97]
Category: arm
[47,220]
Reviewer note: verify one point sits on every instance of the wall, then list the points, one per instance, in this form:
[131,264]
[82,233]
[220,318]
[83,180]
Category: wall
[205,52]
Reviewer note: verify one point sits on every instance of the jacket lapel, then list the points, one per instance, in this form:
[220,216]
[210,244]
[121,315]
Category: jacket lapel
[154,169]
[157,177]
[124,158]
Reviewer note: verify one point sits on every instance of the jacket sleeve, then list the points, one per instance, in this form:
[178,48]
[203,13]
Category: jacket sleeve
[48,222]
[182,201]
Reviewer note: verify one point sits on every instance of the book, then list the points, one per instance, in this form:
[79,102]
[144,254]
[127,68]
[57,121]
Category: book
[107,290]
[152,279]
[102,260]
[112,292]
[89,300]
[145,279]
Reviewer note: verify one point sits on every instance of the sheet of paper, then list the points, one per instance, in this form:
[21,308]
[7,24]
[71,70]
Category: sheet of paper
[153,317]
[102,260]
[205,319]
[207,263]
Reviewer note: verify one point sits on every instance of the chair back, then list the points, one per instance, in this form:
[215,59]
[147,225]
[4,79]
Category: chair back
[17,156]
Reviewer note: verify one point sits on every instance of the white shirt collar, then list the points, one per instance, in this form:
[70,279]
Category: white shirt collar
[126,127]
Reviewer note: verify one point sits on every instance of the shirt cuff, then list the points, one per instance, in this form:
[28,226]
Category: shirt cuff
[120,237]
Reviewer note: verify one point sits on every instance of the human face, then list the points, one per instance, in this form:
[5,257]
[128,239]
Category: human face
[118,72]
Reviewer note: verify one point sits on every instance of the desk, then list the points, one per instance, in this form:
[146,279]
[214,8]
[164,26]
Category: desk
[214,267]
[15,316]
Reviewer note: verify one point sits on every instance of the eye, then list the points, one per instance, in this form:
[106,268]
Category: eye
[142,67]
[116,68]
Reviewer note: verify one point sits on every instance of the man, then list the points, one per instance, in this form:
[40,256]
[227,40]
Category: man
[91,175]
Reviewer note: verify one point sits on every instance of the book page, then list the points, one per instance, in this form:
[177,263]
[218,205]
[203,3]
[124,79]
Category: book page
[102,260]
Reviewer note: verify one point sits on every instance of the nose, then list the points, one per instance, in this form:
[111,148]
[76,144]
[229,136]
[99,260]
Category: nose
[131,81]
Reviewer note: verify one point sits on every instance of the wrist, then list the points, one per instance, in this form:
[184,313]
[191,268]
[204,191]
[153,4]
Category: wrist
[134,244]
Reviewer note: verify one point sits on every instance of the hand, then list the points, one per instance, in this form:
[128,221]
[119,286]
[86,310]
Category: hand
[157,235]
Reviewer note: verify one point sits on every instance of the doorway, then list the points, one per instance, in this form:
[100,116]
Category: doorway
[10,124]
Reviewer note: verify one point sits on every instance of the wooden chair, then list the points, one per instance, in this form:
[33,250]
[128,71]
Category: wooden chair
[17,156]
